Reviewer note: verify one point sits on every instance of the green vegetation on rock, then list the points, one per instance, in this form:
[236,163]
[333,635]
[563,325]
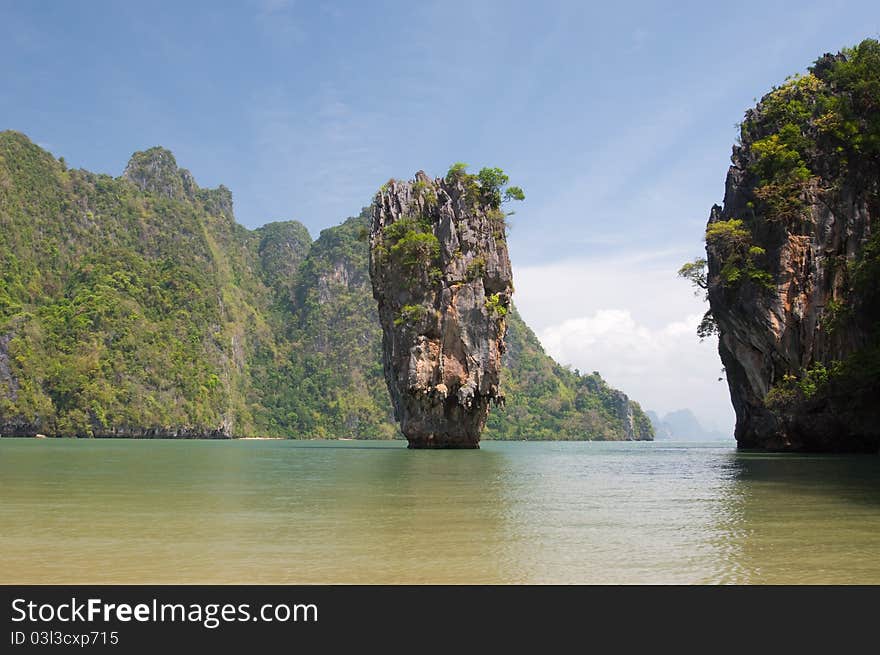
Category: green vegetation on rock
[827,123]
[547,401]
[410,244]
[792,261]
[816,124]
[495,304]
[733,243]
[118,312]
[696,273]
[136,306]
[743,261]
[489,186]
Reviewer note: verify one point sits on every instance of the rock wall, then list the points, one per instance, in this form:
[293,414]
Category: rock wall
[136,307]
[781,284]
[442,279]
[634,429]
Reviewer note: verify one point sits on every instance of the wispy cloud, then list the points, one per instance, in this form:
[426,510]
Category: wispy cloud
[638,39]
[279,22]
[274,7]
[316,154]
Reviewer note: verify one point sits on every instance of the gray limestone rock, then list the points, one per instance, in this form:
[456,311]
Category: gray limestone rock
[442,279]
[768,332]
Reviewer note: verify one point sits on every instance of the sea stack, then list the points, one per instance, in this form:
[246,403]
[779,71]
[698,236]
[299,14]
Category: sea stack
[794,262]
[442,279]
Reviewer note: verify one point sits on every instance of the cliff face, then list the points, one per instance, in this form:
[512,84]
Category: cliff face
[634,426]
[546,401]
[792,261]
[136,307]
[127,304]
[442,279]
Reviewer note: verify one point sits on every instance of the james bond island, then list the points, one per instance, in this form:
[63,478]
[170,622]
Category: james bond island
[137,306]
[289,342]
[442,279]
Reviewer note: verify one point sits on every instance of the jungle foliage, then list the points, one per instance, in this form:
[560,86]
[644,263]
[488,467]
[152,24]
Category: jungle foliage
[137,303]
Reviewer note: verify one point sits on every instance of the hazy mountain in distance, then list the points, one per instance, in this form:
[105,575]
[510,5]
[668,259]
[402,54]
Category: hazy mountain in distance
[682,425]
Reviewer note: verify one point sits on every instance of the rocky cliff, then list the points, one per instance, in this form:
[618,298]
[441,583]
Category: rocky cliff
[442,279]
[136,306]
[547,401]
[793,261]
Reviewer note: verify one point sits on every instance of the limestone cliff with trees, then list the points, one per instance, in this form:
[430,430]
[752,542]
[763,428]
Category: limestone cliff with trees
[136,306]
[792,267]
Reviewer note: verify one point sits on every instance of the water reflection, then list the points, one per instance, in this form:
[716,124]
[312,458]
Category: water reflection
[293,512]
[246,512]
[804,519]
[620,513]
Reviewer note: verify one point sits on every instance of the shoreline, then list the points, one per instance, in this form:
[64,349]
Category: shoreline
[257,438]
[400,439]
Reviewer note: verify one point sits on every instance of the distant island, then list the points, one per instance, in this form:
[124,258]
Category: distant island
[136,306]
[682,425]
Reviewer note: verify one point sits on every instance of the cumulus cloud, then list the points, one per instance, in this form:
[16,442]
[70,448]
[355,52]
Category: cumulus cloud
[630,318]
[665,369]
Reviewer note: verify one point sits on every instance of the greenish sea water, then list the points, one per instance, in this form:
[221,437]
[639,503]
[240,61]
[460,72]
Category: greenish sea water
[119,511]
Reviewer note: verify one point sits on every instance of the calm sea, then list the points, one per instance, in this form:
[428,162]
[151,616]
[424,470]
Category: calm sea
[103,511]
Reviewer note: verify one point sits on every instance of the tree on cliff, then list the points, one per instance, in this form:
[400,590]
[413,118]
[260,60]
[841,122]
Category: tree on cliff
[792,260]
[490,185]
[696,273]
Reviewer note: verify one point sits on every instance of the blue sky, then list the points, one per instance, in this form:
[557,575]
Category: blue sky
[616,118]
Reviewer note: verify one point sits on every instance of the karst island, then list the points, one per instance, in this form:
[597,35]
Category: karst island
[442,279]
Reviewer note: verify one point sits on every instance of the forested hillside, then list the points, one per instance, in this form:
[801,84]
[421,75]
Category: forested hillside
[137,306]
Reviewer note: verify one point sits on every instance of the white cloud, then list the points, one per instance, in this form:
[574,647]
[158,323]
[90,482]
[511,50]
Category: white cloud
[664,369]
[316,153]
[644,282]
[631,319]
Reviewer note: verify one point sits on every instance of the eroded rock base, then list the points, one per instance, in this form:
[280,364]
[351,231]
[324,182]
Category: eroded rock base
[444,442]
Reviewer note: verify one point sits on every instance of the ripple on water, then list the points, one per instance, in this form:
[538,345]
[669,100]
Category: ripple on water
[354,512]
